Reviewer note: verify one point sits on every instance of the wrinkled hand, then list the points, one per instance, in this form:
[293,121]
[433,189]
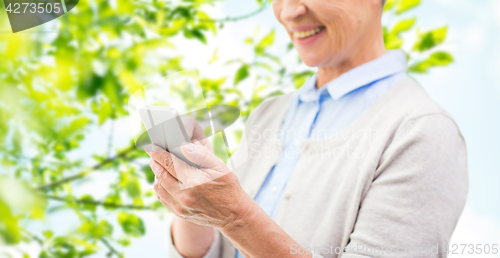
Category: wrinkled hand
[209,195]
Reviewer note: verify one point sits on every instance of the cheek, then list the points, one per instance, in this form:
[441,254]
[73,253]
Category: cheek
[277,5]
[341,25]
[338,33]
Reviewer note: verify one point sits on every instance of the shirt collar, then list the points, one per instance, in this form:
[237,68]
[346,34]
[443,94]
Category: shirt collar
[392,62]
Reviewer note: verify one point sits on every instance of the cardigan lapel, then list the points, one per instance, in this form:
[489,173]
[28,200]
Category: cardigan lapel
[268,121]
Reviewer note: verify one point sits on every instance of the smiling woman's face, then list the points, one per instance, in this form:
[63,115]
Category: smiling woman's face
[326,32]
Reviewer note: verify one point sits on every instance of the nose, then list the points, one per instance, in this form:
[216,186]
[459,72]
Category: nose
[292,9]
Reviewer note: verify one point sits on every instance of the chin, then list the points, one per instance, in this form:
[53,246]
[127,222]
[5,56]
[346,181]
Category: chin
[313,60]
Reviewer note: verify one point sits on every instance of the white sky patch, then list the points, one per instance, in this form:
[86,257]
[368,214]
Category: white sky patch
[474,36]
[496,8]
[495,66]
[31,249]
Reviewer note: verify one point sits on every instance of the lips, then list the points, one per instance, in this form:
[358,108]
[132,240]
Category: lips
[302,34]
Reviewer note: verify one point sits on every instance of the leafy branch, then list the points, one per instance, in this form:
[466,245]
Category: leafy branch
[32,236]
[86,172]
[112,250]
[98,203]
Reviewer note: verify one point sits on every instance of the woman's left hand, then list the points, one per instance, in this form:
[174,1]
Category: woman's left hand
[209,195]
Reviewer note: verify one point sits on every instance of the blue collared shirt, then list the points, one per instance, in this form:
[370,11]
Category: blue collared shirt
[320,113]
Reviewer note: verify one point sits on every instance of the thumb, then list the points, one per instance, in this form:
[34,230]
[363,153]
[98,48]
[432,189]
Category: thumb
[201,156]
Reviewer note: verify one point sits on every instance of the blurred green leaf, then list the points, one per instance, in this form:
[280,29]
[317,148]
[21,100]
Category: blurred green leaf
[131,224]
[112,198]
[48,234]
[439,58]
[195,33]
[389,4]
[133,188]
[430,39]
[219,147]
[241,74]
[95,230]
[393,41]
[68,247]
[148,173]
[87,206]
[17,201]
[267,41]
[10,232]
[405,5]
[21,198]
[403,25]
[74,126]
[300,78]
[124,241]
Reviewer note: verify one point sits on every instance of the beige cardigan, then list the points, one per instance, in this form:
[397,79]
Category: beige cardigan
[392,184]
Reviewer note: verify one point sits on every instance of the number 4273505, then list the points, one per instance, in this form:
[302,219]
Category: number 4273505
[471,249]
[34,8]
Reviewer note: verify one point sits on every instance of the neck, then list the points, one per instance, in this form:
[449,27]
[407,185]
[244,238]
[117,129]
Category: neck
[365,51]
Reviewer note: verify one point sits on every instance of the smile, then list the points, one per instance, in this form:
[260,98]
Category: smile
[307,33]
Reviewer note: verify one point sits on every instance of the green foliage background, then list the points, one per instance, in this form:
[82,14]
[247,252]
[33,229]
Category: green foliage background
[51,95]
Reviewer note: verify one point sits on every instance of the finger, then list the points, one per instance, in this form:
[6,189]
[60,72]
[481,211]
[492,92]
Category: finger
[164,194]
[166,181]
[176,167]
[169,201]
[206,143]
[162,157]
[154,150]
[196,132]
[163,177]
[201,156]
[166,204]
[193,128]
[156,168]
[172,209]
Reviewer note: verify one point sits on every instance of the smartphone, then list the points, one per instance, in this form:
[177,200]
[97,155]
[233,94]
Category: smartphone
[165,129]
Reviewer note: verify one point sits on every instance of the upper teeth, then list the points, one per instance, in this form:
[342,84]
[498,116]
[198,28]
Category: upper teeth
[306,33]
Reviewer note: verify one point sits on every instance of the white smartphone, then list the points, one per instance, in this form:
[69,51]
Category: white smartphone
[165,129]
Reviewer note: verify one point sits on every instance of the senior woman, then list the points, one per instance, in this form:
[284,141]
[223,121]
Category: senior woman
[359,162]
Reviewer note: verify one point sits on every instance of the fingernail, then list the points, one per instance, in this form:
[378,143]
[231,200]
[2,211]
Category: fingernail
[150,148]
[189,146]
[147,149]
